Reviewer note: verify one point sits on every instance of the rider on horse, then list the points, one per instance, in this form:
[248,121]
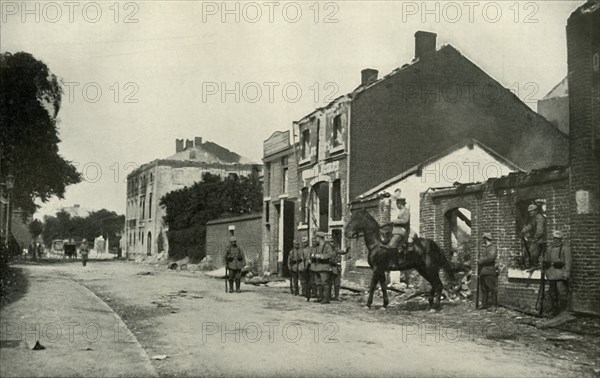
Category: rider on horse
[401,230]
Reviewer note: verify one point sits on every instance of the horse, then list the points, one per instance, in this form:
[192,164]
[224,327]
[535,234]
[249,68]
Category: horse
[426,257]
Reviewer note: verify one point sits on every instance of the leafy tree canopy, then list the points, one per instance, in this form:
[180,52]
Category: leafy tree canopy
[212,198]
[30,98]
[99,223]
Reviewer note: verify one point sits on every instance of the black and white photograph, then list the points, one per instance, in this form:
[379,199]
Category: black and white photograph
[306,188]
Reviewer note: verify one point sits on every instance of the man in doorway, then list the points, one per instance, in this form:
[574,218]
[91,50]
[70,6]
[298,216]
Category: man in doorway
[534,233]
[488,278]
[304,268]
[557,267]
[293,258]
[235,261]
[322,261]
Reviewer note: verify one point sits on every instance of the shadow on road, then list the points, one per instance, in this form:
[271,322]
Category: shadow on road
[14,284]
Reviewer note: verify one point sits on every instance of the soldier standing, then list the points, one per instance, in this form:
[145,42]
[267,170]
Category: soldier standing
[535,235]
[235,261]
[336,269]
[293,258]
[557,267]
[84,250]
[313,292]
[303,268]
[488,279]
[322,262]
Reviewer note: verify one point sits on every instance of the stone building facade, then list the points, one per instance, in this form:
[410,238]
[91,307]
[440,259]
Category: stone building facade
[150,182]
[388,125]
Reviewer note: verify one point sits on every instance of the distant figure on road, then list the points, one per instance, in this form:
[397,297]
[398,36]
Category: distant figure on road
[235,261]
[84,250]
[488,278]
[557,266]
[31,250]
[39,250]
[293,258]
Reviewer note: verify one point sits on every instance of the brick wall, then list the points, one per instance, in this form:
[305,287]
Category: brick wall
[494,208]
[583,44]
[247,232]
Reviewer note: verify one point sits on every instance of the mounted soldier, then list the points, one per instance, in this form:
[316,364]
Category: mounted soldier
[534,234]
[401,229]
[235,261]
[293,259]
[557,267]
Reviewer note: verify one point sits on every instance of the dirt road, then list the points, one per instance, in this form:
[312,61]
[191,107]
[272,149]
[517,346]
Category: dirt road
[264,331]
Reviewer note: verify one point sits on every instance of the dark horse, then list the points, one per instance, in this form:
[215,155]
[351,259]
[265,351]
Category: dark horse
[426,257]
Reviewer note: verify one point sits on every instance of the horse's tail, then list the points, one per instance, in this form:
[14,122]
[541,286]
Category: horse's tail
[442,261]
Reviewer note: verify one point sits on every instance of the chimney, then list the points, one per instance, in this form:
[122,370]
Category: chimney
[189,144]
[424,44]
[368,75]
[198,141]
[76,205]
[178,145]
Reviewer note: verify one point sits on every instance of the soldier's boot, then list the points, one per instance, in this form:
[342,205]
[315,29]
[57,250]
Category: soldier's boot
[238,283]
[484,303]
[326,294]
[296,291]
[494,305]
[555,309]
[320,290]
[231,286]
[337,293]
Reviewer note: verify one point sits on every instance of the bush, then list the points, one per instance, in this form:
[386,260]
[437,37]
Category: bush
[187,242]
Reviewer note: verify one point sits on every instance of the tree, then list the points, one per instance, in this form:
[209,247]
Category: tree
[103,223]
[188,209]
[35,228]
[30,98]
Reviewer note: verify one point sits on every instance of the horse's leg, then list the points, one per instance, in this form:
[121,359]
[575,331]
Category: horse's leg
[426,274]
[374,279]
[437,284]
[383,283]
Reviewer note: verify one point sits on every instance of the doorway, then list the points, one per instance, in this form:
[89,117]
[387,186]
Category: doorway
[149,244]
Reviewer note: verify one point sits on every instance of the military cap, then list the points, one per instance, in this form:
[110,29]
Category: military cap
[557,234]
[232,239]
[487,235]
[531,207]
[401,199]
[320,234]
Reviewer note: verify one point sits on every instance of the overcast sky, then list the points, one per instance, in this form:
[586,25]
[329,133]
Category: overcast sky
[170,61]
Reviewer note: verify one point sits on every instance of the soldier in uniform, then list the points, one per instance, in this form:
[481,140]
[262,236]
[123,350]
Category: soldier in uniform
[336,269]
[235,261]
[322,267]
[557,267]
[313,273]
[488,278]
[401,226]
[303,268]
[535,235]
[293,258]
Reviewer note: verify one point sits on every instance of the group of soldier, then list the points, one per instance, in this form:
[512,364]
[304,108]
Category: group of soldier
[318,268]
[554,261]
